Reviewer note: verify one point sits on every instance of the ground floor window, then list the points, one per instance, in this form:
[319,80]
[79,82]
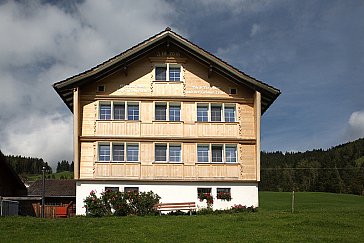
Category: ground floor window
[223,193]
[111,188]
[131,189]
[203,191]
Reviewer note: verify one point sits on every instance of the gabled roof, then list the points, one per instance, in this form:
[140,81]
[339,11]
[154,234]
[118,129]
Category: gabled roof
[53,188]
[167,37]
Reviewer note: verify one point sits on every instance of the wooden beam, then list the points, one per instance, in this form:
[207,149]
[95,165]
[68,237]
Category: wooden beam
[257,108]
[76,132]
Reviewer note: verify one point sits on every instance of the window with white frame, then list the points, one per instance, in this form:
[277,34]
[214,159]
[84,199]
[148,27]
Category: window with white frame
[168,72]
[216,112]
[203,152]
[105,111]
[217,153]
[203,112]
[118,153]
[118,110]
[166,152]
[167,111]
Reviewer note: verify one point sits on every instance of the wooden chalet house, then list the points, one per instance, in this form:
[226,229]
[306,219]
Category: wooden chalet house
[167,116]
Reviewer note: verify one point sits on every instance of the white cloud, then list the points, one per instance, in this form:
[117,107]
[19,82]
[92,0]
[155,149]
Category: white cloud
[256,28]
[355,127]
[43,43]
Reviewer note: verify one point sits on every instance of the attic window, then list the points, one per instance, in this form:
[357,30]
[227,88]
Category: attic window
[167,72]
[101,88]
[233,91]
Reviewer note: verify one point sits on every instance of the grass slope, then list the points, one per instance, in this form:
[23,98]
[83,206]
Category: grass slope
[318,217]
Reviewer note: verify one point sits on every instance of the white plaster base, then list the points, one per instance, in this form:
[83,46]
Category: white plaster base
[241,193]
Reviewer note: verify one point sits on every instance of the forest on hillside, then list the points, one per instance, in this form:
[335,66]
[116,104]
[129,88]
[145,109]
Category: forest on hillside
[339,169]
[27,165]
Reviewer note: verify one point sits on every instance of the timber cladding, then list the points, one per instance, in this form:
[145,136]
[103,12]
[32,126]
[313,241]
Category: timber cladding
[140,88]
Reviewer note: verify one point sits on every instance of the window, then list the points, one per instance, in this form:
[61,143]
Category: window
[112,189]
[161,73]
[101,88]
[104,152]
[132,152]
[215,112]
[167,152]
[217,153]
[230,153]
[229,113]
[133,111]
[175,112]
[175,153]
[233,91]
[105,111]
[172,109]
[131,189]
[118,153]
[119,111]
[202,113]
[168,72]
[161,111]
[203,153]
[221,192]
[203,191]
[174,73]
[161,152]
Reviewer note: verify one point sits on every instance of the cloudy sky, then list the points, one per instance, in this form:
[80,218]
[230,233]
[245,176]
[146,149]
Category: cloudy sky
[313,51]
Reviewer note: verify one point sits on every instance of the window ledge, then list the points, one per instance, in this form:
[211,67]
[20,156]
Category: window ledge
[167,81]
[218,122]
[217,163]
[117,162]
[99,120]
[161,121]
[166,162]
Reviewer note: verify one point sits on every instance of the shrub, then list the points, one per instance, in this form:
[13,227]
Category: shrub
[121,203]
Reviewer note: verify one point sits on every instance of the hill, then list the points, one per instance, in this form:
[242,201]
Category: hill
[339,169]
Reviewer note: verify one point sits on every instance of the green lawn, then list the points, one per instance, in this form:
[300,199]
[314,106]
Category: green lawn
[318,217]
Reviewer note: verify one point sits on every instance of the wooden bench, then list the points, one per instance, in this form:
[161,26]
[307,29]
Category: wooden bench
[185,206]
[62,211]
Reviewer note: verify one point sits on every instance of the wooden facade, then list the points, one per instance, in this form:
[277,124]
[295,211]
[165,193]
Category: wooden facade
[130,80]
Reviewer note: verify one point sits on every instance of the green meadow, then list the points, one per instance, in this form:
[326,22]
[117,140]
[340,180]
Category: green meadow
[318,217]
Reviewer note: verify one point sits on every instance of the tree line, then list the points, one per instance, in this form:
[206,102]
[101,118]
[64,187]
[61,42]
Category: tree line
[27,165]
[339,169]
[64,165]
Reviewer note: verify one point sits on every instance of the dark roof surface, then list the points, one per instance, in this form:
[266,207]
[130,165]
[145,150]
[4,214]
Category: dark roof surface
[65,88]
[10,179]
[53,188]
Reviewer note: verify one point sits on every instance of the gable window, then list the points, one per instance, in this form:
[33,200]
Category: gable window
[216,153]
[174,74]
[172,109]
[118,153]
[213,112]
[105,111]
[168,72]
[167,152]
[161,73]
